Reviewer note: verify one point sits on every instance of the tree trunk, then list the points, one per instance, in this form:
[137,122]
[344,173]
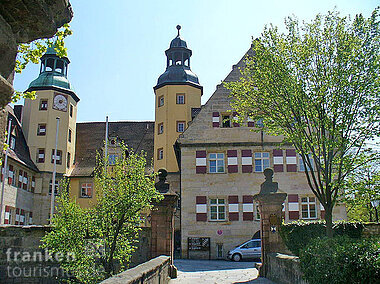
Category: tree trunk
[328,219]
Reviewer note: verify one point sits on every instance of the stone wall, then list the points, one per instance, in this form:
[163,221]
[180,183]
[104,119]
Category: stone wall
[284,269]
[152,272]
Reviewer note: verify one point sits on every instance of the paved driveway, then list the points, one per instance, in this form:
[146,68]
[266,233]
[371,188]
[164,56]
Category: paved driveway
[216,271]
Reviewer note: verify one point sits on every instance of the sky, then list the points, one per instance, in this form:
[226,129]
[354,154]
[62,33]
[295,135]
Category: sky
[117,47]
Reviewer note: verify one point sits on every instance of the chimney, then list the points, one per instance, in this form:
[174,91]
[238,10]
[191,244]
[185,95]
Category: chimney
[17,109]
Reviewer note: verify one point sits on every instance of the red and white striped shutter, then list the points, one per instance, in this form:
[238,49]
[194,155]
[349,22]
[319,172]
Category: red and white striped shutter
[200,162]
[278,161]
[246,161]
[215,119]
[250,123]
[322,211]
[17,216]
[232,163]
[235,123]
[7,214]
[20,179]
[25,181]
[30,218]
[293,206]
[201,208]
[291,160]
[22,217]
[233,207]
[10,174]
[248,208]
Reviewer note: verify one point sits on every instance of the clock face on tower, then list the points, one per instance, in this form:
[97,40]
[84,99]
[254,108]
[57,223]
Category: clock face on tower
[60,102]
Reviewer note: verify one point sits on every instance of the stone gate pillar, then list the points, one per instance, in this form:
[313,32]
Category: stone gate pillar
[270,207]
[162,222]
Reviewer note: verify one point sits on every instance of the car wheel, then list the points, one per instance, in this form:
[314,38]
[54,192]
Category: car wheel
[236,257]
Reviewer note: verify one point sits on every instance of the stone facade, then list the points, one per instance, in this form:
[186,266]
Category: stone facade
[223,162]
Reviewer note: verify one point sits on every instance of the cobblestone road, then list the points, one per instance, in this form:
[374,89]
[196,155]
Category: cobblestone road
[216,271]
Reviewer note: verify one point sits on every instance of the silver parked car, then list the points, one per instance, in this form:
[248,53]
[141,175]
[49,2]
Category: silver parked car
[249,249]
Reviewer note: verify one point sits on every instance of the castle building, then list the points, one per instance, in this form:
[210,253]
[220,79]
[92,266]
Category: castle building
[214,163]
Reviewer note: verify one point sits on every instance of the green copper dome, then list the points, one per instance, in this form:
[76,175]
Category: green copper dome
[53,73]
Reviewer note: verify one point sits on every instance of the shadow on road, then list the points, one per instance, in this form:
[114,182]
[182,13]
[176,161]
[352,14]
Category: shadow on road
[188,265]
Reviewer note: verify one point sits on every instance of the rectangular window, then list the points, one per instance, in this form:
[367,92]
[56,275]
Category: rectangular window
[302,164]
[55,188]
[226,121]
[219,252]
[71,110]
[160,128]
[12,143]
[41,130]
[68,160]
[308,208]
[43,104]
[40,156]
[160,154]
[10,175]
[161,101]
[181,126]
[180,99]
[217,209]
[86,190]
[58,158]
[20,178]
[112,159]
[33,186]
[261,161]
[25,181]
[216,163]
[69,135]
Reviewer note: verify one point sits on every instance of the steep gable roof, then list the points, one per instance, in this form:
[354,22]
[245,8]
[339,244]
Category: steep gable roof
[90,136]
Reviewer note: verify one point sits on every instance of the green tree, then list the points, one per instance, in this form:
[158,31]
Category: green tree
[362,187]
[103,237]
[318,86]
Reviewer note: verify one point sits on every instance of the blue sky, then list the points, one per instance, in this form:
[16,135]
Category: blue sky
[117,49]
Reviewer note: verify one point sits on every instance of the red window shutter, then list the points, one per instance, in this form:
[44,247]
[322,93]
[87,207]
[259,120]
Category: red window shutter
[17,216]
[293,206]
[200,162]
[22,217]
[201,208]
[248,208]
[246,161]
[278,161]
[291,160]
[10,177]
[232,163]
[233,208]
[215,119]
[7,213]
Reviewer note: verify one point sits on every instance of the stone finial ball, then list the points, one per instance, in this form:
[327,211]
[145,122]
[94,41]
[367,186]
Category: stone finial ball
[268,173]
[178,27]
[162,173]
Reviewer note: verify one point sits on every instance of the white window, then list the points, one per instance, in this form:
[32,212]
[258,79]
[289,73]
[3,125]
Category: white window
[180,99]
[12,143]
[216,163]
[217,209]
[308,208]
[160,101]
[112,159]
[302,164]
[261,161]
[160,154]
[160,128]
[86,190]
[180,126]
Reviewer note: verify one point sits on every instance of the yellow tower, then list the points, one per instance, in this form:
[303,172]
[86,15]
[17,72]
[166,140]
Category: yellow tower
[54,98]
[177,94]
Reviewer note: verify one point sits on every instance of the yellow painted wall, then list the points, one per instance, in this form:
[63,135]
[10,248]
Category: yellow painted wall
[32,116]
[169,114]
[75,187]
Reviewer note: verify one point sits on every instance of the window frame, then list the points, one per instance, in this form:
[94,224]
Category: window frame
[261,159]
[59,154]
[39,127]
[160,153]
[71,110]
[178,101]
[161,101]
[184,126]
[69,135]
[112,161]
[12,142]
[216,163]
[160,128]
[55,188]
[38,159]
[226,119]
[43,102]
[218,206]
[307,203]
[86,186]
[303,166]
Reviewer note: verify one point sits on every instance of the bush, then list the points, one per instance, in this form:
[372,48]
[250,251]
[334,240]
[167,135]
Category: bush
[297,235]
[341,260]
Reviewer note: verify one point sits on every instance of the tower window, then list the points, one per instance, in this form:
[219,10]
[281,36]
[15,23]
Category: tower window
[181,126]
[41,130]
[160,154]
[58,158]
[160,128]
[71,110]
[43,104]
[68,160]
[180,99]
[41,156]
[69,136]
[161,101]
